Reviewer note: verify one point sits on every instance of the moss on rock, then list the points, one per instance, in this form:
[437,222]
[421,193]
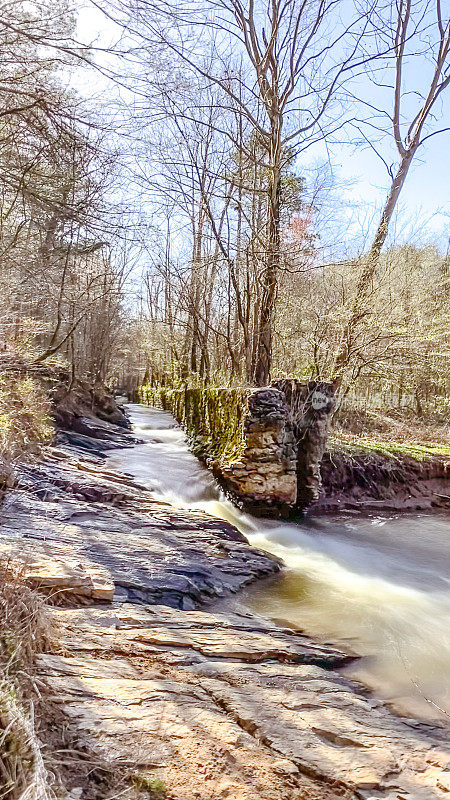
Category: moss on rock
[214,419]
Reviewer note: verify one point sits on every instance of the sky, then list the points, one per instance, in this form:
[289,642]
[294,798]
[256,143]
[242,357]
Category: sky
[424,206]
[359,178]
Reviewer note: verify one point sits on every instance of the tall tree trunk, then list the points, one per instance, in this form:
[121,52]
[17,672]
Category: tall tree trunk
[192,339]
[360,308]
[270,279]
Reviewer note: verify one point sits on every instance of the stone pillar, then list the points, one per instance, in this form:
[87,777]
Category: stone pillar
[264,480]
[311,406]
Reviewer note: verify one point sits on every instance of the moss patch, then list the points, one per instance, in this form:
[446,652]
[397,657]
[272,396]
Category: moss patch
[419,452]
[212,418]
[154,787]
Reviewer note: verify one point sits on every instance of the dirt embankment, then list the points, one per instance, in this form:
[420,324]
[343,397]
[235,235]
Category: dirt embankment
[389,460]
[365,479]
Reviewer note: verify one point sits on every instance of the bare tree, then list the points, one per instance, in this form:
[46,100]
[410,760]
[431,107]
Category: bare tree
[282,64]
[55,220]
[409,133]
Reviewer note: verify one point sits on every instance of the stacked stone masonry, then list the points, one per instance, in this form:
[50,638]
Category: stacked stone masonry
[277,436]
[285,437]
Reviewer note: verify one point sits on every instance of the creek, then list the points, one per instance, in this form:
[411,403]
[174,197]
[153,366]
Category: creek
[377,584]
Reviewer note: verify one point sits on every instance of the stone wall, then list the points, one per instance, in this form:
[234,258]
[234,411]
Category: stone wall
[311,406]
[213,419]
[264,479]
[285,434]
[264,445]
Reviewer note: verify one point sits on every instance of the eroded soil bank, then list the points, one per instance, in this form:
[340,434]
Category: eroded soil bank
[146,677]
[355,478]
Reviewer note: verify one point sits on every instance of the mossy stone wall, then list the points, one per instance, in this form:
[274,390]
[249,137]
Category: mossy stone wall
[214,419]
[264,445]
[244,435]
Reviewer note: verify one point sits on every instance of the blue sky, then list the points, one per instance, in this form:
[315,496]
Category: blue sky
[423,211]
[360,178]
[424,206]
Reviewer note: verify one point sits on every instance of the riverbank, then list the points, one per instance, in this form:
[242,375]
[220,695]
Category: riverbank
[175,699]
[386,461]
[377,476]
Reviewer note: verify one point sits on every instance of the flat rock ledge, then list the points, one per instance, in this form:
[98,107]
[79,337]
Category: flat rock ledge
[217,705]
[229,705]
[87,534]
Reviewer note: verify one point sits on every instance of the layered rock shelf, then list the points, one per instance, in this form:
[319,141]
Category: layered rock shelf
[100,529]
[144,676]
[228,705]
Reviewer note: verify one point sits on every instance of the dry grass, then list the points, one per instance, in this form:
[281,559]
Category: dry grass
[26,630]
[24,421]
[395,432]
[23,633]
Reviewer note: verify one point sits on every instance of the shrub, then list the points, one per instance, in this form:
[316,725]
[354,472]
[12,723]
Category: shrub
[24,420]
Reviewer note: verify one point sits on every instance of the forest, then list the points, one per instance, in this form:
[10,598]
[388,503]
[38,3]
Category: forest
[224,399]
[168,216]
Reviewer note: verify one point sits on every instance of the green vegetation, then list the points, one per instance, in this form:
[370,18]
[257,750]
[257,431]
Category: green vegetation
[212,418]
[154,787]
[420,452]
[391,432]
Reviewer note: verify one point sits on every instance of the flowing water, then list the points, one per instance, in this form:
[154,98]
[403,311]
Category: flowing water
[379,585]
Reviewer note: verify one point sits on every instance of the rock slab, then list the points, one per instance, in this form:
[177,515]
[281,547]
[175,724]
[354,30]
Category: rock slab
[218,705]
[225,706]
[85,531]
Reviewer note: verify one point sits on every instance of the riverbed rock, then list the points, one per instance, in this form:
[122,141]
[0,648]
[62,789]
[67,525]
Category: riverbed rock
[77,400]
[109,526]
[215,705]
[218,704]
[189,634]
[66,579]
